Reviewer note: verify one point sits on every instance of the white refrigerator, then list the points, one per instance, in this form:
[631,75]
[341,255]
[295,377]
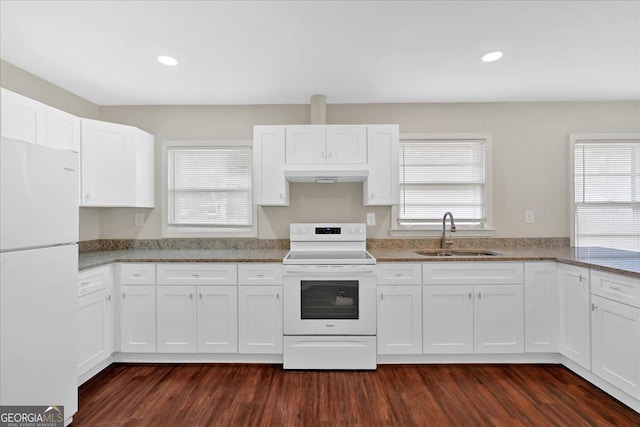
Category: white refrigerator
[38,276]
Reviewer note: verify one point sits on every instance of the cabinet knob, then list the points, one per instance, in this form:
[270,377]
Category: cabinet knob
[593,307]
[200,295]
[190,296]
[381,296]
[479,295]
[109,298]
[278,296]
[124,295]
[470,295]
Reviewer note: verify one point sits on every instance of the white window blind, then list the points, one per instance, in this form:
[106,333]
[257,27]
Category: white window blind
[443,175]
[607,193]
[209,187]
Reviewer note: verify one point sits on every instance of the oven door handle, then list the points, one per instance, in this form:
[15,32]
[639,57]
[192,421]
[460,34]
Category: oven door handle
[329,270]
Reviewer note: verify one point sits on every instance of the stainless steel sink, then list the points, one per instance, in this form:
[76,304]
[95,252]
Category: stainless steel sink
[457,253]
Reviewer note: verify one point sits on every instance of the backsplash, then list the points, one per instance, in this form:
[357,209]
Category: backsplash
[424,243]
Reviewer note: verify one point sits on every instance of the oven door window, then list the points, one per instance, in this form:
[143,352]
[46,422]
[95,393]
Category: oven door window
[329,299]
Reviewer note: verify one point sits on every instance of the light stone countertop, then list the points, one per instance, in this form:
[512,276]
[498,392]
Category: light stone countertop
[610,260]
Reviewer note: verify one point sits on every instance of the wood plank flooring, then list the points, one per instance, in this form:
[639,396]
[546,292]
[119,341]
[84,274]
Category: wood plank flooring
[394,395]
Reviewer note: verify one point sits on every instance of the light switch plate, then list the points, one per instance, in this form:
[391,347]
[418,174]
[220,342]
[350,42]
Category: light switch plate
[371,218]
[529,217]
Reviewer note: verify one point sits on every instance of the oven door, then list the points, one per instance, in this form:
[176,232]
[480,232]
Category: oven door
[330,300]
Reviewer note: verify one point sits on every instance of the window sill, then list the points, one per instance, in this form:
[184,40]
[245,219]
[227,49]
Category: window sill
[405,232]
[204,233]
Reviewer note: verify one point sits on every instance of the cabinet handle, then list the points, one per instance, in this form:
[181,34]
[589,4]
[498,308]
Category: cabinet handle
[330,154]
[593,307]
[109,298]
[581,277]
[324,156]
[86,198]
[278,296]
[470,295]
[281,196]
[135,275]
[260,275]
[372,195]
[195,275]
[190,295]
[615,289]
[84,283]
[479,295]
[398,274]
[200,295]
[124,295]
[381,296]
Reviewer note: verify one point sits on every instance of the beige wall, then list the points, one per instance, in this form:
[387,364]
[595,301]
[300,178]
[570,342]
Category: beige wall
[529,156]
[529,153]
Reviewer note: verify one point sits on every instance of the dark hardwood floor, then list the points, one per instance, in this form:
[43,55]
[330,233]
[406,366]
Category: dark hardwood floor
[394,395]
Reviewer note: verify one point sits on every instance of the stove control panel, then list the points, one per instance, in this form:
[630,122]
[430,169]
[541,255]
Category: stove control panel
[328,232]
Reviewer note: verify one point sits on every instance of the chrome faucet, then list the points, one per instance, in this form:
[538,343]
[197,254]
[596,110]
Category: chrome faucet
[446,242]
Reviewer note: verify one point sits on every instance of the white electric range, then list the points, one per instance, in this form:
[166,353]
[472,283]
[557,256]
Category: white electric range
[329,298]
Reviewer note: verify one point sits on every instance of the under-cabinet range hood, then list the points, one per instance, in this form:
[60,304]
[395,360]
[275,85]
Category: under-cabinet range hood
[326,175]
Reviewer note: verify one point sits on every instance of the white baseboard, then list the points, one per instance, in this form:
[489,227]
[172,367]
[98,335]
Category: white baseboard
[196,358]
[86,376]
[384,359]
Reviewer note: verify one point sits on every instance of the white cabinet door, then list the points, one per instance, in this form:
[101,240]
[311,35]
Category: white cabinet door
[138,319]
[95,329]
[62,130]
[217,319]
[615,330]
[346,144]
[23,118]
[498,319]
[306,144]
[399,319]
[270,188]
[260,319]
[447,319]
[541,307]
[382,187]
[575,341]
[176,327]
[108,164]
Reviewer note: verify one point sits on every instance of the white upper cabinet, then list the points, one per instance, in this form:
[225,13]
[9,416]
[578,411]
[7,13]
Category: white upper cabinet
[62,130]
[306,144]
[382,187]
[338,144]
[28,120]
[346,144]
[23,118]
[117,165]
[270,188]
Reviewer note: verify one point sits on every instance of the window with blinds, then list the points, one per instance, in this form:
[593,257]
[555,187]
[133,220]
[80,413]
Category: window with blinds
[440,175]
[607,193]
[209,187]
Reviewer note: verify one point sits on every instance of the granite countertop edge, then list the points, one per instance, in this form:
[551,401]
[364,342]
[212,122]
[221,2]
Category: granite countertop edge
[609,262]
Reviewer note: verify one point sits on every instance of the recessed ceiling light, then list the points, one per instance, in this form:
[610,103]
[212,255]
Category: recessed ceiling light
[492,56]
[167,60]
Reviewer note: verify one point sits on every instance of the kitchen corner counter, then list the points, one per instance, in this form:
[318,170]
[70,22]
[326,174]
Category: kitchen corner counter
[604,259]
[95,259]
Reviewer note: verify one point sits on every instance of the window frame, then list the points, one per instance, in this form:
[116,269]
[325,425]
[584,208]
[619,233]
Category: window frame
[581,137]
[397,230]
[203,232]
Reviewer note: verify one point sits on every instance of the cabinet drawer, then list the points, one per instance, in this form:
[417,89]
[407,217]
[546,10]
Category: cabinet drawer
[260,274]
[616,287]
[472,273]
[94,280]
[137,274]
[197,274]
[399,273]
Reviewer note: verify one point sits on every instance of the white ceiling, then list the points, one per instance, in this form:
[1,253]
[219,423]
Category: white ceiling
[263,52]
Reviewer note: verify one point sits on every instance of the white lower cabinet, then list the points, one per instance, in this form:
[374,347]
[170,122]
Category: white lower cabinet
[138,319]
[95,320]
[399,319]
[473,319]
[575,330]
[541,309]
[447,320]
[260,319]
[197,319]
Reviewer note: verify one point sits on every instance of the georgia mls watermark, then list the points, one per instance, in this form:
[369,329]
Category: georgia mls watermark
[32,416]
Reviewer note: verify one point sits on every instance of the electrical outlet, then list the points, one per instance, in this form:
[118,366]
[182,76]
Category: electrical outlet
[139,218]
[371,218]
[529,217]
